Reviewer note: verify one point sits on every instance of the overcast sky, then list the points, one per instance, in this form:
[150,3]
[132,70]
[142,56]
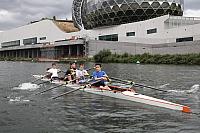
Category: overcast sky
[15,13]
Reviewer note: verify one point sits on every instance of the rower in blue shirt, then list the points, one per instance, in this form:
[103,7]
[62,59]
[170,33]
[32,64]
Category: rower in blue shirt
[98,74]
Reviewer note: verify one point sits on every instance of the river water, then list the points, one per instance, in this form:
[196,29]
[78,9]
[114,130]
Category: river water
[23,112]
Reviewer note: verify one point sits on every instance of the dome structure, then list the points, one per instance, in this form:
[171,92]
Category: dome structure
[89,14]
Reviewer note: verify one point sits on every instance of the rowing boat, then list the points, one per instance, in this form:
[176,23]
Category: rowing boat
[126,95]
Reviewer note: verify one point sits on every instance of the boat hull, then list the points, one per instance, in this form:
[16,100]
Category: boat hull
[139,98]
[130,96]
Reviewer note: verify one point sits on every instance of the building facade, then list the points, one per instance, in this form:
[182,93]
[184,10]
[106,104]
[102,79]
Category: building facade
[164,29]
[89,14]
[46,38]
[159,29]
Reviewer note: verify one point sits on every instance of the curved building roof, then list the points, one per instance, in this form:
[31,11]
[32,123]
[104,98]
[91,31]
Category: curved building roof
[91,14]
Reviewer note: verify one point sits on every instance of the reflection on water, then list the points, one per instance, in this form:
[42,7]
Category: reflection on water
[22,111]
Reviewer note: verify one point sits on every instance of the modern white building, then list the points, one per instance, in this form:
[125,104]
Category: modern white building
[45,30]
[46,38]
[153,31]
[164,29]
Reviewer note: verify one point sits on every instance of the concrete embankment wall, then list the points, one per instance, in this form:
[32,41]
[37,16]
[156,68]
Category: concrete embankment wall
[136,48]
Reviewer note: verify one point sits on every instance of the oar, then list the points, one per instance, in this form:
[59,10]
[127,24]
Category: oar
[54,87]
[68,92]
[36,80]
[137,84]
[121,80]
[43,82]
[49,89]
[39,79]
[150,87]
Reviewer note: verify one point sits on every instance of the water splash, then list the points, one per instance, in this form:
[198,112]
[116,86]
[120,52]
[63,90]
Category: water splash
[193,89]
[163,86]
[27,86]
[18,100]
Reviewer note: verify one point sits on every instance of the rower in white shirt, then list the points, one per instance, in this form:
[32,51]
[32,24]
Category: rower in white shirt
[81,73]
[54,72]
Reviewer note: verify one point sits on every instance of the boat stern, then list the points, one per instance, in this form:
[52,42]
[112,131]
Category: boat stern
[186,109]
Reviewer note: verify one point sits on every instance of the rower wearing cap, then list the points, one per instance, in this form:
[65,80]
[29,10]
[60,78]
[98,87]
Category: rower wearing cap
[71,72]
[98,74]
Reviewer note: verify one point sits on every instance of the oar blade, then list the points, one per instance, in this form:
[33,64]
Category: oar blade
[137,84]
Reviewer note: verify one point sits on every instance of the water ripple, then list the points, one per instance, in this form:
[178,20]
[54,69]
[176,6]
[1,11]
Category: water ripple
[83,112]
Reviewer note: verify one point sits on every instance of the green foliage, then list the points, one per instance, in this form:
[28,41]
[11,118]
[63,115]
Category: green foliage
[106,56]
[102,56]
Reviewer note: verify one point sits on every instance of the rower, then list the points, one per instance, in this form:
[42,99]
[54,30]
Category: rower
[48,74]
[71,72]
[98,74]
[54,72]
[81,74]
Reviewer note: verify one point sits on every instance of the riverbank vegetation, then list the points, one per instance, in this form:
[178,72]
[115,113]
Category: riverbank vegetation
[105,56]
[16,59]
[62,60]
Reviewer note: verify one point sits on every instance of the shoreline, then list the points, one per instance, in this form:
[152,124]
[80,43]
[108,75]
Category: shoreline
[67,60]
[105,56]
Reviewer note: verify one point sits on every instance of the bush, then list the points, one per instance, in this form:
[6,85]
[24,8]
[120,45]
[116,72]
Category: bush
[102,55]
[106,56]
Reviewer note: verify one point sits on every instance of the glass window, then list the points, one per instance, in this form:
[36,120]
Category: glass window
[10,44]
[150,31]
[185,39]
[43,38]
[112,2]
[30,41]
[130,34]
[119,1]
[113,37]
